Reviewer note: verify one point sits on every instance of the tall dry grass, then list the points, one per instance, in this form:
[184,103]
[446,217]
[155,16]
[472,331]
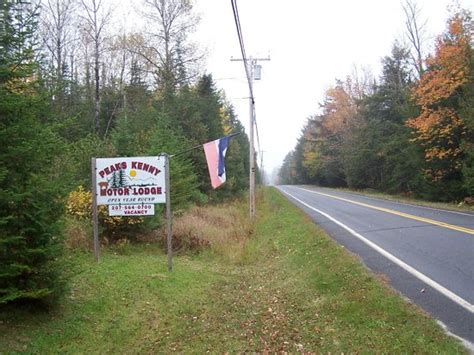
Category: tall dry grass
[224,229]
[78,234]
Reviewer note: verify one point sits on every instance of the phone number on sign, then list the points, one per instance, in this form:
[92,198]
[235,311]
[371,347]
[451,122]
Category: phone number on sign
[131,207]
[128,210]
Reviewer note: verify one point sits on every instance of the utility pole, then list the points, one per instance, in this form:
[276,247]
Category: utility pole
[262,173]
[251,64]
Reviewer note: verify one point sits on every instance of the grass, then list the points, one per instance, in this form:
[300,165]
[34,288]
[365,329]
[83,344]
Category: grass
[286,288]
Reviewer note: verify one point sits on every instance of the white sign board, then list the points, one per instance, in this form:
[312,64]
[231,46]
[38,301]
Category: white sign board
[130,181]
[132,210]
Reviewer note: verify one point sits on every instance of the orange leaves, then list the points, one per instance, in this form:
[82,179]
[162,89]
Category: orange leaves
[439,128]
[442,153]
[339,110]
[456,27]
[436,123]
[448,69]
[439,132]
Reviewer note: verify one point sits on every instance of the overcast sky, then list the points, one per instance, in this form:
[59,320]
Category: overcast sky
[311,43]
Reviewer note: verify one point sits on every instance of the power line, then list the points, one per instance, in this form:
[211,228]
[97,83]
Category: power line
[246,65]
[248,73]
[249,65]
[242,47]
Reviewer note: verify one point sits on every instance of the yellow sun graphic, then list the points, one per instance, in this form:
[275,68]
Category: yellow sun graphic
[133,173]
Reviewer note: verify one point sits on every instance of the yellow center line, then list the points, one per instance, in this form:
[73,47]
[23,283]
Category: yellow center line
[401,214]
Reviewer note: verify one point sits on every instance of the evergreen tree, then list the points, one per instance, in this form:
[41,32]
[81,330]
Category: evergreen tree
[114,180]
[382,156]
[198,115]
[122,179]
[184,181]
[29,206]
[285,173]
[237,157]
[466,111]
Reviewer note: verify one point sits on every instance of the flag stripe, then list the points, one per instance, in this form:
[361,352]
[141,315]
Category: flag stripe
[223,143]
[212,163]
[215,154]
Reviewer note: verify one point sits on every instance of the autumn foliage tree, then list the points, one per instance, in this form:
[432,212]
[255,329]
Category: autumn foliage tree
[439,128]
[320,154]
[410,132]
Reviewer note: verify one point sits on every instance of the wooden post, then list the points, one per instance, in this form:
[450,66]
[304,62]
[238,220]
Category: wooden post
[169,236]
[252,160]
[95,218]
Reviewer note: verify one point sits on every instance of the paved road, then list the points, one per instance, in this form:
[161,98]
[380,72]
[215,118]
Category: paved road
[428,254]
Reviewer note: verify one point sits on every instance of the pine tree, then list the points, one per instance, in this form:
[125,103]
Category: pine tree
[197,111]
[29,206]
[381,156]
[114,179]
[237,158]
[122,179]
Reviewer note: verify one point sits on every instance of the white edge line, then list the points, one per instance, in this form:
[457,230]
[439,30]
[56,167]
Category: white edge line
[467,344]
[441,289]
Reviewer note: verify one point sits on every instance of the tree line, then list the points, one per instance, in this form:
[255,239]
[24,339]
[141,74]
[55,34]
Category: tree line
[70,89]
[411,131]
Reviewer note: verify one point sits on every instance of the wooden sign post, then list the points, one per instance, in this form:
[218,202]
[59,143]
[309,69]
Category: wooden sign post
[95,214]
[169,232]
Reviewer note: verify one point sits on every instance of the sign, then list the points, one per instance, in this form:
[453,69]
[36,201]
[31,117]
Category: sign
[130,181]
[132,210]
